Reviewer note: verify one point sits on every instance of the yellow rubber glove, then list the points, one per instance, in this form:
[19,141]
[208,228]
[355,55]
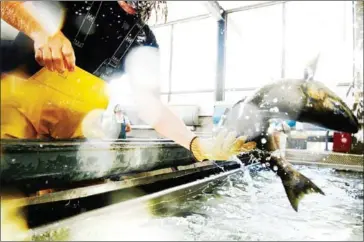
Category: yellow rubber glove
[221,147]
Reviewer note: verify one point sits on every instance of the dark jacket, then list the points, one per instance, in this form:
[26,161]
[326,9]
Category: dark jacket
[100,38]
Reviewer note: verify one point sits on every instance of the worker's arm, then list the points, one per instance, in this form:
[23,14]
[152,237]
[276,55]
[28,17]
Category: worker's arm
[52,50]
[142,67]
[162,119]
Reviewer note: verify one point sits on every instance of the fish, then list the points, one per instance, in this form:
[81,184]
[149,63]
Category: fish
[295,184]
[290,99]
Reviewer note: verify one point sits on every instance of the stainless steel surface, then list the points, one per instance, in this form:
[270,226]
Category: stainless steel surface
[327,159]
[127,207]
[128,181]
[327,165]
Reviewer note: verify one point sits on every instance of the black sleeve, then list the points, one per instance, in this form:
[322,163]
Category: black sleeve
[19,53]
[151,39]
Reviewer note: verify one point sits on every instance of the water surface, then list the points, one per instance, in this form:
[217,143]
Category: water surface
[242,208]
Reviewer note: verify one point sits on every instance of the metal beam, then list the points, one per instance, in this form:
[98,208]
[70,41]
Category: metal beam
[283,60]
[259,5]
[215,9]
[184,20]
[188,91]
[221,58]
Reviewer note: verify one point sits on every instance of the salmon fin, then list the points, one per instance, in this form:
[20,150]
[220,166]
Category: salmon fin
[297,186]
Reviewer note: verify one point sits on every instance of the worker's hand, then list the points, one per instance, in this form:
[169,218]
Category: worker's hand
[54,52]
[128,128]
[221,147]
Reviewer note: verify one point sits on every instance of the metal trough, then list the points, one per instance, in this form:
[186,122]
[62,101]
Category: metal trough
[152,203]
[57,163]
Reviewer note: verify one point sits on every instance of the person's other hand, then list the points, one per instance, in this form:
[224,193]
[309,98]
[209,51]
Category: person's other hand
[221,147]
[55,53]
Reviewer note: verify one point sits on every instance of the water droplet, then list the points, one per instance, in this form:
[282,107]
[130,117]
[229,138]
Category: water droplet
[275,168]
[40,145]
[263,140]
[103,15]
[76,12]
[46,182]
[274,110]
[267,164]
[88,8]
[13,160]
[344,140]
[275,100]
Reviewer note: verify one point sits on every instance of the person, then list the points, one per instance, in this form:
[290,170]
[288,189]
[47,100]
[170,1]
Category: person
[95,37]
[121,118]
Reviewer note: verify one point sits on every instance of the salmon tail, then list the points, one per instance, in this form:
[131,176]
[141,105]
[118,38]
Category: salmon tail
[297,186]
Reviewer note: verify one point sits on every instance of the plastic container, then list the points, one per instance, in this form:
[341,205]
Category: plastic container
[342,142]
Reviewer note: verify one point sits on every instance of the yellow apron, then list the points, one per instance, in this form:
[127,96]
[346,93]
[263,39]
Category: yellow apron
[49,104]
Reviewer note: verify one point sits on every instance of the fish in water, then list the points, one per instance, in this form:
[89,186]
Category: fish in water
[300,100]
[295,184]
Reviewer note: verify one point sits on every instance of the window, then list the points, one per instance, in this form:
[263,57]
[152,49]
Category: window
[164,98]
[227,5]
[163,36]
[254,47]
[194,55]
[204,100]
[342,92]
[7,31]
[185,9]
[318,26]
[235,96]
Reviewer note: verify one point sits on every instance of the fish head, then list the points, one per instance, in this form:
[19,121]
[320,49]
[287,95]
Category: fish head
[324,108]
